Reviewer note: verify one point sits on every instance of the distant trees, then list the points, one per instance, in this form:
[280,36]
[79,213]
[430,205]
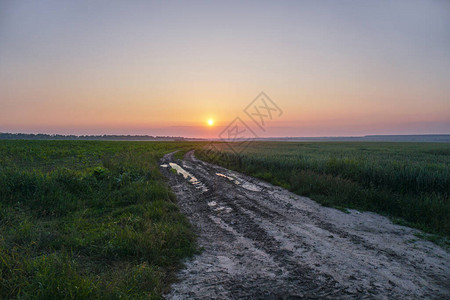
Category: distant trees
[40,136]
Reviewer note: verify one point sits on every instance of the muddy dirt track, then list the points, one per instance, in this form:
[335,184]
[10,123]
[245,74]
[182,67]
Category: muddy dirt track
[261,241]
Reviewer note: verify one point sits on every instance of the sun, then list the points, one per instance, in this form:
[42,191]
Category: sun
[210,122]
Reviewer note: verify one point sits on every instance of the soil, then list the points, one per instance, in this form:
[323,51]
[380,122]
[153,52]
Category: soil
[262,241]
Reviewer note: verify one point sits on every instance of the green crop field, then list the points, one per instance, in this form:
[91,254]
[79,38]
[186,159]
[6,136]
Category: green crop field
[88,220]
[409,182]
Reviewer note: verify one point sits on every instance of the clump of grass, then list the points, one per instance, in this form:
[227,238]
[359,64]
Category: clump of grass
[437,239]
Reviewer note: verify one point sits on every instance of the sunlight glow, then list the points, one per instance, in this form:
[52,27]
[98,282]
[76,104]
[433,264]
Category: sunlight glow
[210,122]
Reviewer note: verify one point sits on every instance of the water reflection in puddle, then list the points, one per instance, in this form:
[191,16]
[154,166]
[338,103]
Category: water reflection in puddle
[188,176]
[245,184]
[213,205]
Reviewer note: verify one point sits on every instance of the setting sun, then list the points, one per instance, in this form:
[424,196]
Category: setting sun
[210,122]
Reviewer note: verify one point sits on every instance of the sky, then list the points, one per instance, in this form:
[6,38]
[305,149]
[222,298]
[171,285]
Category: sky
[333,68]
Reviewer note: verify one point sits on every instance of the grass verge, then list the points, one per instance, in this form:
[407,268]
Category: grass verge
[90,220]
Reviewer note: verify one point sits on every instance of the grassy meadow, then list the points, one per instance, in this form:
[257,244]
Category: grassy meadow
[88,220]
[409,182]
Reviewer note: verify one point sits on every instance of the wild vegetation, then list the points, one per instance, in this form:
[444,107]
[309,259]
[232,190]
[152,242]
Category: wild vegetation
[88,220]
[409,182]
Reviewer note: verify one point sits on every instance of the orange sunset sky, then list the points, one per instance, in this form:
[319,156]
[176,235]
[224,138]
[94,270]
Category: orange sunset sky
[335,68]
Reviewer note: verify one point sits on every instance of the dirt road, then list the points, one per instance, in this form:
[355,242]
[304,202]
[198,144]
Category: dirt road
[261,241]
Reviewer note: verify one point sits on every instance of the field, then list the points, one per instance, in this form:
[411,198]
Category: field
[88,220]
[91,219]
[409,182]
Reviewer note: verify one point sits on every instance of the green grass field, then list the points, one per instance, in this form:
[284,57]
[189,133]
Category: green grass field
[88,220]
[409,182]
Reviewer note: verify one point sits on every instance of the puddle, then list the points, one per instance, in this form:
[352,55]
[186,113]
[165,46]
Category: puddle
[245,184]
[228,177]
[189,177]
[251,187]
[226,209]
[213,205]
